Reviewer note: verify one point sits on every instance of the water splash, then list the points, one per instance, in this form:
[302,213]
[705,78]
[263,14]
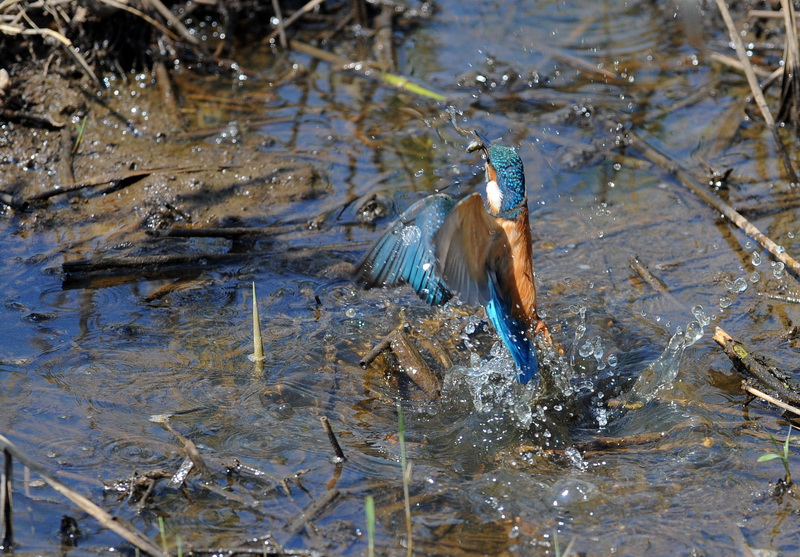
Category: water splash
[492,386]
[661,373]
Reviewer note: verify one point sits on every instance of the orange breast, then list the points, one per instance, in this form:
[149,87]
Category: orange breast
[519,275]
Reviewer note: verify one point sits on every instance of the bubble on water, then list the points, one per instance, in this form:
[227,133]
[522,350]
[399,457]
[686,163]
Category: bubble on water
[586,349]
[612,360]
[755,277]
[571,491]
[756,259]
[350,312]
[777,270]
[725,302]
[410,235]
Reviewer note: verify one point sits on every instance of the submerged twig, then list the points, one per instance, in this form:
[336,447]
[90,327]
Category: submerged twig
[232,233]
[13,201]
[391,79]
[312,511]
[6,510]
[117,264]
[337,449]
[109,177]
[754,366]
[378,348]
[653,281]
[414,366]
[106,520]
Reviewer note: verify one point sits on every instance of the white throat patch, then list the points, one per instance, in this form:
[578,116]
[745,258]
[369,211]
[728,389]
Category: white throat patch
[494,196]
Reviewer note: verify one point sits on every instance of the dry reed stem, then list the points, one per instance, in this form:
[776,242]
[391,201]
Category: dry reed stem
[671,166]
[755,89]
[790,91]
[174,21]
[276,7]
[144,16]
[36,30]
[779,403]
[291,19]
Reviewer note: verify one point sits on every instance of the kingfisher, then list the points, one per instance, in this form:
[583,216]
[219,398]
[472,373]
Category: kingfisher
[480,252]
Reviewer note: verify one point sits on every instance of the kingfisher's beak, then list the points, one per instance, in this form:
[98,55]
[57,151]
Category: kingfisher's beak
[479,143]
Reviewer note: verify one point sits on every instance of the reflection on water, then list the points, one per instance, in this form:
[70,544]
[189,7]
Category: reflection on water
[497,467]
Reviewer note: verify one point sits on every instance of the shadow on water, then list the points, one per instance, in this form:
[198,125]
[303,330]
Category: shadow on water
[636,442]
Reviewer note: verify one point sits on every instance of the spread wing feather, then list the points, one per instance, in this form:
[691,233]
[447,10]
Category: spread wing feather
[406,251]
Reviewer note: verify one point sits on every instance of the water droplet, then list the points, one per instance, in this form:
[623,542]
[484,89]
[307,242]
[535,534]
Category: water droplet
[739,285]
[410,235]
[778,270]
[725,302]
[350,312]
[755,277]
[694,332]
[612,360]
[756,260]
[780,249]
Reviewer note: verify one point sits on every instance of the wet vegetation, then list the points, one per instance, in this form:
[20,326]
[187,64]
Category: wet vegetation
[189,368]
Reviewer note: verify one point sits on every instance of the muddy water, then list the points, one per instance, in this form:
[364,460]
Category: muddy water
[87,360]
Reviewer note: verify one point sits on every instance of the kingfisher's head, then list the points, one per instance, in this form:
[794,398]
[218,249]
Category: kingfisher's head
[505,177]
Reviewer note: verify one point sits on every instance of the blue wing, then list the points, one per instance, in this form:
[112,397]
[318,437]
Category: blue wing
[512,333]
[406,252]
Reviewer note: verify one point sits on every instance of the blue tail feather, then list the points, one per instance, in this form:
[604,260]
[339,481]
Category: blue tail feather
[513,335]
